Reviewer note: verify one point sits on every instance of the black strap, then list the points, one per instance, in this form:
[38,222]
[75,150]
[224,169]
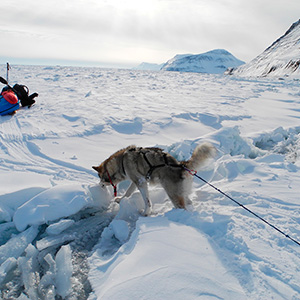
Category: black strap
[152,168]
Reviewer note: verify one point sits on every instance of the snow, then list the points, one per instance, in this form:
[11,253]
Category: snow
[134,272]
[62,236]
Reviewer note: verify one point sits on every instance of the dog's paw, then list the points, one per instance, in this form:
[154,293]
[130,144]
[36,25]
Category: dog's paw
[118,199]
[146,212]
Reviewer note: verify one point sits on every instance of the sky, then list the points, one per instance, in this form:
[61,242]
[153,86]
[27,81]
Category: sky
[125,33]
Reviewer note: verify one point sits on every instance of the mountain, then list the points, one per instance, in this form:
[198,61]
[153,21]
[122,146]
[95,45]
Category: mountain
[213,62]
[282,58]
[148,66]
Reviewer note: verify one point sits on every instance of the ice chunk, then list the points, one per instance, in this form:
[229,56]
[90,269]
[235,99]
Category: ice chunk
[9,264]
[59,227]
[50,241]
[17,244]
[29,268]
[6,231]
[52,204]
[47,283]
[64,267]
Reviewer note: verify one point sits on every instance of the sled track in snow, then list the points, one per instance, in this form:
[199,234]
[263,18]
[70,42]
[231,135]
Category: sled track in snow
[23,155]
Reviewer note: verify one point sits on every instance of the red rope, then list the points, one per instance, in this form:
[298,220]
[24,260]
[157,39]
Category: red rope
[113,185]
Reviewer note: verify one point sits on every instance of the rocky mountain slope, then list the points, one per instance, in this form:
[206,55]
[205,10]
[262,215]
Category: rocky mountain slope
[282,58]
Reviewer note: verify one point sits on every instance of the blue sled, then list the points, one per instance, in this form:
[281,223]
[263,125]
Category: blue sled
[6,107]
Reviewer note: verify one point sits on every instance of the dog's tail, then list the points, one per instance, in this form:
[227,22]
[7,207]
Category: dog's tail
[200,155]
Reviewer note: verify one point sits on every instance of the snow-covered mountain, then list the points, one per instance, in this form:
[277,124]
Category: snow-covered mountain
[282,58]
[212,62]
[148,66]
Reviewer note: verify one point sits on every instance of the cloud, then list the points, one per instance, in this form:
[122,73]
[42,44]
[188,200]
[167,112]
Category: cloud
[133,31]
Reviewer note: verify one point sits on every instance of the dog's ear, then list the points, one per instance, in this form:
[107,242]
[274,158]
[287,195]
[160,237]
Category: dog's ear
[96,169]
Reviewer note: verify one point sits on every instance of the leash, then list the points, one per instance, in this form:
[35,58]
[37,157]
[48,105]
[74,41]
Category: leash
[194,173]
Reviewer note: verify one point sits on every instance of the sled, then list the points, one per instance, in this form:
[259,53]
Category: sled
[21,92]
[7,108]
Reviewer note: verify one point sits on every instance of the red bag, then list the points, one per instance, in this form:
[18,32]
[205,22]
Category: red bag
[10,97]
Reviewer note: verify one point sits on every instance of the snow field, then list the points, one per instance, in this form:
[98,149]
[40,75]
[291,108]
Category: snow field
[61,237]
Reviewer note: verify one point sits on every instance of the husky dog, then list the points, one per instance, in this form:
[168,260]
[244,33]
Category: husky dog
[143,165]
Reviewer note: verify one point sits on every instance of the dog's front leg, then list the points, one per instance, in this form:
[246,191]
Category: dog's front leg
[143,188]
[128,193]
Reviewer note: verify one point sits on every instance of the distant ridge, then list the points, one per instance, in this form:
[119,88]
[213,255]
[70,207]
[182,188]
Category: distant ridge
[212,62]
[282,58]
[148,66]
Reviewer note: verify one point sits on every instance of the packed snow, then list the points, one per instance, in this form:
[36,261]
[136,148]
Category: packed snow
[63,237]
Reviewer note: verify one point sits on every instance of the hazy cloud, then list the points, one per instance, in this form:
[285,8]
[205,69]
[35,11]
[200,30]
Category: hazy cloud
[133,31]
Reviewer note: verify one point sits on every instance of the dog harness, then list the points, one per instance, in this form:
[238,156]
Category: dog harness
[151,167]
[144,152]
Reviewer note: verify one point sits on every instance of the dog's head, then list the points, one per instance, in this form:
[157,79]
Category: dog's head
[110,170]
[107,175]
[102,173]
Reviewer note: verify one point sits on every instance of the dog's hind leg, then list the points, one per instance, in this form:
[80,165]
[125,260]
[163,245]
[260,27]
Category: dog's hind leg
[178,201]
[177,194]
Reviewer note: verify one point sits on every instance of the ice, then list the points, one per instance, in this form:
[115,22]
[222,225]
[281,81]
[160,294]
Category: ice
[63,282]
[60,226]
[10,202]
[6,267]
[30,276]
[47,286]
[16,246]
[50,241]
[51,205]
[4,214]
[55,281]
